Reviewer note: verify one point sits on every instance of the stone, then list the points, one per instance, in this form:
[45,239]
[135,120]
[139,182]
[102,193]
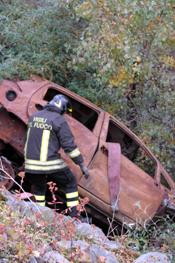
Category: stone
[97,234]
[54,257]
[92,252]
[153,257]
[87,230]
[33,260]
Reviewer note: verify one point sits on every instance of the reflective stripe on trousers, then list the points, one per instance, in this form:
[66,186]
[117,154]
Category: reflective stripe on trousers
[72,202]
[40,199]
[72,199]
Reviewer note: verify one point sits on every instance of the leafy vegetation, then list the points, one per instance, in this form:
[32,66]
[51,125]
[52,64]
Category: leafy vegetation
[24,236]
[117,54]
[156,236]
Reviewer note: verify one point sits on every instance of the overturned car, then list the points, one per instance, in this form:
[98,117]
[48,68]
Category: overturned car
[117,187]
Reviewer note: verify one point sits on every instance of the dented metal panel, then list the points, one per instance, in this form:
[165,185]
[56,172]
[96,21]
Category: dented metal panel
[139,194]
[108,148]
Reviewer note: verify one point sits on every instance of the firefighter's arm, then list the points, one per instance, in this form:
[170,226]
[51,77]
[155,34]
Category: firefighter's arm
[66,139]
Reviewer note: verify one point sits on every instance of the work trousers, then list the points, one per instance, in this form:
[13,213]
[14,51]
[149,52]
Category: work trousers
[63,179]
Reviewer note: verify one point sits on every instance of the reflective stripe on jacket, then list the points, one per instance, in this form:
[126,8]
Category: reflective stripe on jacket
[47,132]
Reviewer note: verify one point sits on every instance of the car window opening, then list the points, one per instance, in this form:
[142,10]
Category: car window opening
[164,182]
[81,112]
[130,148]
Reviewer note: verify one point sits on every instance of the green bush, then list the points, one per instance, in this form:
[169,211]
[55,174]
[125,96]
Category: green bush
[117,54]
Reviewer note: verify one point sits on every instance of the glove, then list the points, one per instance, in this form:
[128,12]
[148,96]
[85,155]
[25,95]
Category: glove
[84,170]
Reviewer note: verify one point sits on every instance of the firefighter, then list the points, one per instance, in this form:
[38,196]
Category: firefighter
[47,132]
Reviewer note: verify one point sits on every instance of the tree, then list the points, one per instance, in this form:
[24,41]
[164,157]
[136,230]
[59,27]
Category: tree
[118,54]
[130,44]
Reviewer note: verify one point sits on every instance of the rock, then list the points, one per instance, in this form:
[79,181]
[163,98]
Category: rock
[87,230]
[27,208]
[33,260]
[95,233]
[92,253]
[36,260]
[54,257]
[153,257]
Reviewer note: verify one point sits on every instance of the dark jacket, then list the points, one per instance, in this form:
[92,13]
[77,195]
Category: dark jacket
[47,132]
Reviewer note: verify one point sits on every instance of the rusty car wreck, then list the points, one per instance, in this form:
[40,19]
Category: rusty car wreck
[117,188]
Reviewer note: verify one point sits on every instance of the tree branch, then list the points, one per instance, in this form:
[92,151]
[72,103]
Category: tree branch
[136,110]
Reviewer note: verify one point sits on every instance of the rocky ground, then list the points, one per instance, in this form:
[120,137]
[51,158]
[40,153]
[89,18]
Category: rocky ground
[79,242]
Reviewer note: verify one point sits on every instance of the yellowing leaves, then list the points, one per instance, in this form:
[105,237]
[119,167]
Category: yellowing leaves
[102,3]
[115,80]
[171,6]
[116,39]
[21,245]
[86,3]
[121,28]
[123,75]
[168,61]
[138,59]
[19,255]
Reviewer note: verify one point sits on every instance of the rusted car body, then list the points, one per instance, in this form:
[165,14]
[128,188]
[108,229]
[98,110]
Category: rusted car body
[117,188]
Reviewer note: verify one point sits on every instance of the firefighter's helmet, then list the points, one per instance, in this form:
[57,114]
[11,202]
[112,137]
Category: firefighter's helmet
[62,102]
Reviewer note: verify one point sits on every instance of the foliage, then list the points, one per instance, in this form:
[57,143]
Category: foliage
[118,54]
[157,236]
[33,34]
[132,45]
[23,237]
